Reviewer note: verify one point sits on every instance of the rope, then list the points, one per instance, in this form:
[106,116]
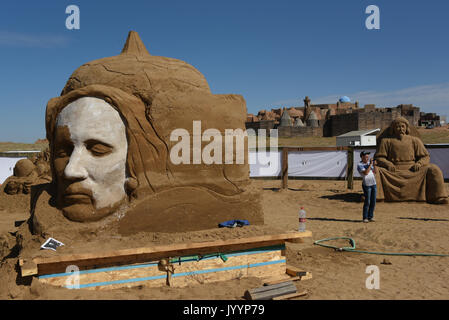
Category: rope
[353,249]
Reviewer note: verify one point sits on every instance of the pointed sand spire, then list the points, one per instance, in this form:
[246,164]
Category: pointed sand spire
[134,45]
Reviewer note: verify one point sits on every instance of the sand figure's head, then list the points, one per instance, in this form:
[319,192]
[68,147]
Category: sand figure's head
[25,174]
[109,132]
[23,168]
[400,127]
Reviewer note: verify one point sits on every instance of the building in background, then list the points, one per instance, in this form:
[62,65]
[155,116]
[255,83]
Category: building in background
[334,119]
[429,120]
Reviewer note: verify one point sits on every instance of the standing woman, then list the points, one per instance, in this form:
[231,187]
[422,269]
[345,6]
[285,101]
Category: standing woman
[367,169]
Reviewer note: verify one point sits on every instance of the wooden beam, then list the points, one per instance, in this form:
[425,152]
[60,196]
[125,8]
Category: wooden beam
[285,168]
[350,172]
[58,263]
[27,268]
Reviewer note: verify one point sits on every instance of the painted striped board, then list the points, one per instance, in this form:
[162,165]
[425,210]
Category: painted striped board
[263,262]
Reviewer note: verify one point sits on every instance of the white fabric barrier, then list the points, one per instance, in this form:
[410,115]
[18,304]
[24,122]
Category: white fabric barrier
[7,167]
[265,164]
[330,164]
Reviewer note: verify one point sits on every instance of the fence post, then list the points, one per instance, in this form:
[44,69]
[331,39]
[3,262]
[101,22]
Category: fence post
[350,173]
[284,168]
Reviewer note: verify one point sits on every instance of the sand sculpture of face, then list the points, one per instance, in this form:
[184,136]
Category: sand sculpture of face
[109,136]
[90,159]
[400,128]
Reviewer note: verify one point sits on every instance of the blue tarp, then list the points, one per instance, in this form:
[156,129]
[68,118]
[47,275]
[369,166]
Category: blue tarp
[233,223]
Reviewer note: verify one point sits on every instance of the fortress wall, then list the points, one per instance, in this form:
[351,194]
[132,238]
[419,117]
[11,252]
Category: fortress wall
[288,132]
[343,123]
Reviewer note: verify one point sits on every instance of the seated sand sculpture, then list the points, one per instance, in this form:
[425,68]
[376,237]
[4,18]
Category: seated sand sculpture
[28,172]
[405,172]
[110,138]
[24,176]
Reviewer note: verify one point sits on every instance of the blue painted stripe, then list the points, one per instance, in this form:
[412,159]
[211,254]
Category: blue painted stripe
[128,267]
[253,265]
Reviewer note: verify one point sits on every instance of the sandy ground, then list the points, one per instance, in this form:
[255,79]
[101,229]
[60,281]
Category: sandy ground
[332,210]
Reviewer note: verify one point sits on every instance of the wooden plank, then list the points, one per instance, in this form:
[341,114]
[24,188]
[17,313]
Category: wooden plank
[58,263]
[291,295]
[296,272]
[307,276]
[285,168]
[28,268]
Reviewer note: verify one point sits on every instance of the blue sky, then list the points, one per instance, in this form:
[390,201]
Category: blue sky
[272,52]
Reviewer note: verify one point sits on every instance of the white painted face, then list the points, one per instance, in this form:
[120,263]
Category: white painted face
[90,159]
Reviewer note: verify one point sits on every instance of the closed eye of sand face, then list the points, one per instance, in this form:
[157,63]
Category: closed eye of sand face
[98,148]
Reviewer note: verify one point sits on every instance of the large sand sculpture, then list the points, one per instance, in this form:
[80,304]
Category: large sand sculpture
[109,136]
[405,171]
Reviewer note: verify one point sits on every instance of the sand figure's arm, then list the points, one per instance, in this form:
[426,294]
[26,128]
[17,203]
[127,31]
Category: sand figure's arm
[422,157]
[381,156]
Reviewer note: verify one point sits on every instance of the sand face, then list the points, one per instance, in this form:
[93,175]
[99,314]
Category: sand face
[332,211]
[90,161]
